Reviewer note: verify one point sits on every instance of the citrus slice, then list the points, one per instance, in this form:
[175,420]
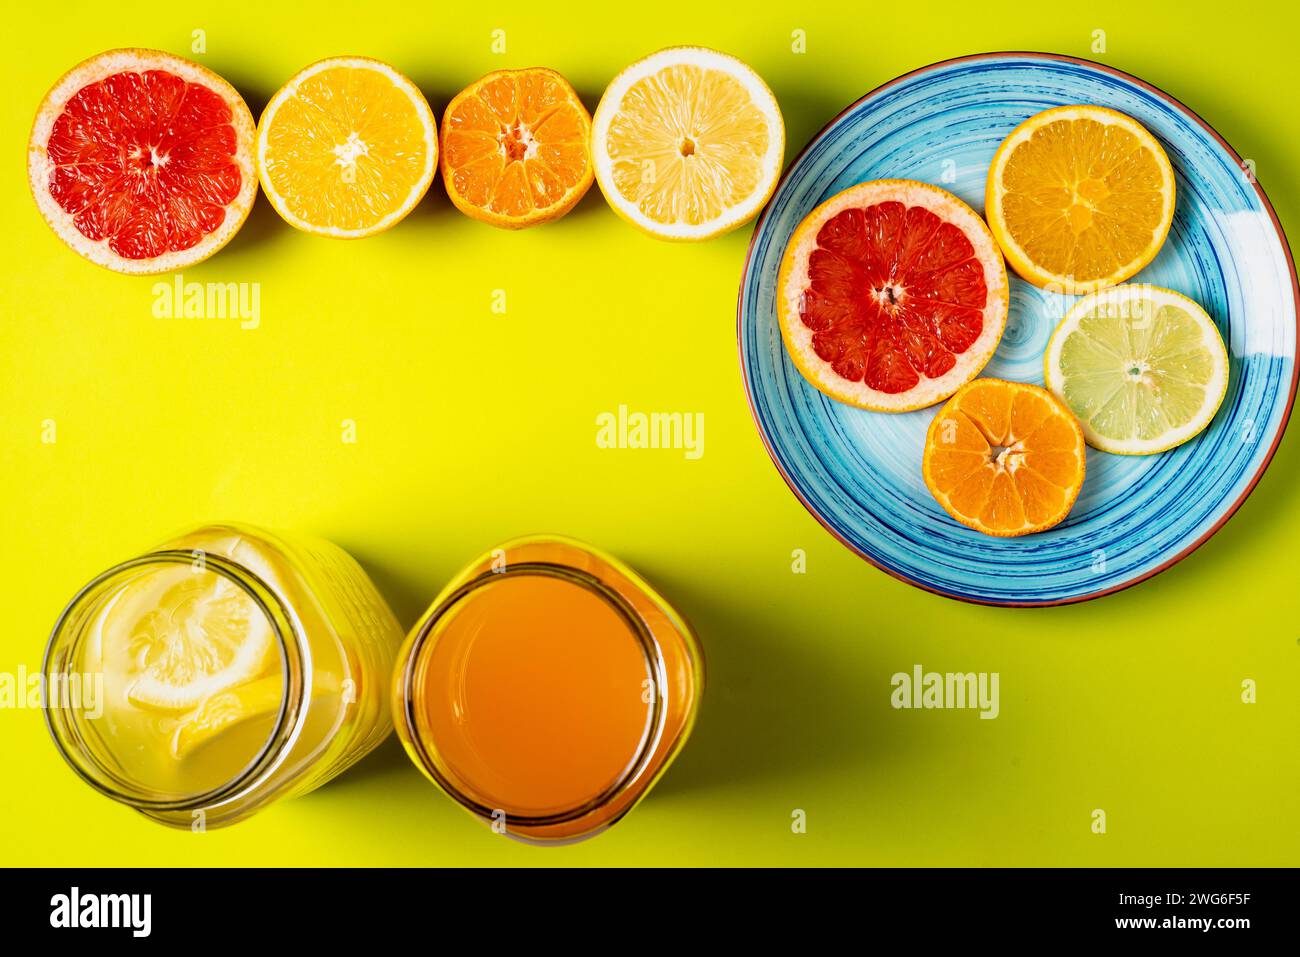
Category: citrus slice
[515,148]
[347,148]
[687,143]
[891,295]
[246,708]
[1004,458]
[1079,198]
[227,710]
[142,161]
[192,635]
[1143,368]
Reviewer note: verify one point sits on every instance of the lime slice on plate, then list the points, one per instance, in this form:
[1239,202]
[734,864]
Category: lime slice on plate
[1143,368]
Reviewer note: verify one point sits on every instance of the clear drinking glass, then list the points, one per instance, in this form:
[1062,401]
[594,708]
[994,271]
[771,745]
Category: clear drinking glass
[547,688]
[227,668]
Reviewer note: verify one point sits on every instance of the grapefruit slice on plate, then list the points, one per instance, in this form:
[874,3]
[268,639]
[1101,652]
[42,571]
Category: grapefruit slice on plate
[891,295]
[142,161]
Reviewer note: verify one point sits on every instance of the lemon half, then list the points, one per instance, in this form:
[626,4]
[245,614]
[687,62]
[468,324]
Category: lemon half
[687,143]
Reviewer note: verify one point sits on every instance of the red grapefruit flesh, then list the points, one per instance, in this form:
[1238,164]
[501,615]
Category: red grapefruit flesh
[142,161]
[892,295]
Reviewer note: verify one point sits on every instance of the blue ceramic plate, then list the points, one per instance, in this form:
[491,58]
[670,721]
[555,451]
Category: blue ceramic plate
[859,472]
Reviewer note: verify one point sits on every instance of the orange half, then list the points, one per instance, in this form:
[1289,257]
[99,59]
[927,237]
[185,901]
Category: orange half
[347,148]
[1005,458]
[516,148]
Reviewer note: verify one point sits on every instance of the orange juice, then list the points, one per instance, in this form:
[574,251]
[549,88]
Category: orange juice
[547,688]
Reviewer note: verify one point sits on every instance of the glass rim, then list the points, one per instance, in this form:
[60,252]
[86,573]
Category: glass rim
[286,629]
[647,643]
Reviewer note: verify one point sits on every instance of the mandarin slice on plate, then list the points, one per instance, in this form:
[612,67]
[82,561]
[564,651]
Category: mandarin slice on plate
[1005,458]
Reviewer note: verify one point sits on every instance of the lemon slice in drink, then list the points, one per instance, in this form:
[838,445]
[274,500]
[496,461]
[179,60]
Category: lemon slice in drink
[687,143]
[242,713]
[228,710]
[1143,368]
[189,635]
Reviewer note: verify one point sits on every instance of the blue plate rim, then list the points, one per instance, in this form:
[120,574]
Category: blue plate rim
[990,57]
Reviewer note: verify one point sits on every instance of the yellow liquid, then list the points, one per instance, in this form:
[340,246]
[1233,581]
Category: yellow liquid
[155,620]
[195,671]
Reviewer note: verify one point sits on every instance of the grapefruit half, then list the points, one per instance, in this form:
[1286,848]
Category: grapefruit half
[892,295]
[142,161]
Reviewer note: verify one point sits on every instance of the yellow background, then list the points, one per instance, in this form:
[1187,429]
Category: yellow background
[474,427]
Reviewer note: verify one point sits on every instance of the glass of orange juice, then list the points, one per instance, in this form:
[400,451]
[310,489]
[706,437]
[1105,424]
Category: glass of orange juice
[224,669]
[547,688]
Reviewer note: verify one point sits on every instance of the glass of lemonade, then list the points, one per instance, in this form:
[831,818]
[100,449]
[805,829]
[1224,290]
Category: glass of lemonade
[231,666]
[547,688]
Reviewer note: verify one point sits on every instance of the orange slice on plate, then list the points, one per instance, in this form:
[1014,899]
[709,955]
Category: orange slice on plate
[516,148]
[1080,198]
[142,161]
[891,295]
[1005,458]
